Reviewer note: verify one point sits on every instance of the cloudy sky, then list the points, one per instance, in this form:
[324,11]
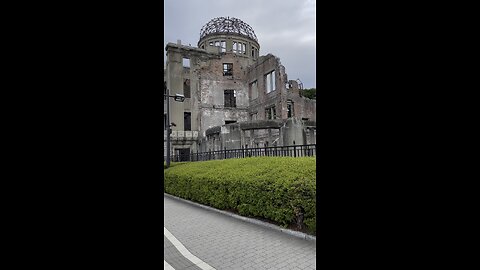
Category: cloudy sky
[285,28]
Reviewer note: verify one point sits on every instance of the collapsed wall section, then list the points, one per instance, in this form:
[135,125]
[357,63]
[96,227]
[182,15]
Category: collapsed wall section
[223,91]
[259,134]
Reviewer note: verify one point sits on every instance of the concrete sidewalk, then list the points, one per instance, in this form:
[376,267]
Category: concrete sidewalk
[211,240]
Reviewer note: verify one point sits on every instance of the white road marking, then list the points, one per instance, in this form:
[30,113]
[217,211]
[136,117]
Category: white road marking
[167,266]
[181,248]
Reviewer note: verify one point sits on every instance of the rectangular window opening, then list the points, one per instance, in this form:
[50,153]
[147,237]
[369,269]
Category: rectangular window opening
[290,112]
[186,62]
[223,45]
[183,154]
[227,69]
[239,47]
[270,113]
[267,83]
[186,88]
[273,81]
[230,99]
[187,121]
[270,81]
[253,90]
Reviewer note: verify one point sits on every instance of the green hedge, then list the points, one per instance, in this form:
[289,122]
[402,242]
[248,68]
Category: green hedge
[172,164]
[267,187]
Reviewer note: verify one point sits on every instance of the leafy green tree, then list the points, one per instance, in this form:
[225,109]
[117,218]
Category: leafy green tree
[310,93]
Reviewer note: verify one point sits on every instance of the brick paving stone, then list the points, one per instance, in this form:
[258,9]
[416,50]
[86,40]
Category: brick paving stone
[228,243]
[173,257]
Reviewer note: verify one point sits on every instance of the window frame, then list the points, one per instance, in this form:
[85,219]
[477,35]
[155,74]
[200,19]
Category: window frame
[185,61]
[270,113]
[229,98]
[290,109]
[270,84]
[226,71]
[239,47]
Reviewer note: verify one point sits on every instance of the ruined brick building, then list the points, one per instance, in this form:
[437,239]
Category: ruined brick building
[233,96]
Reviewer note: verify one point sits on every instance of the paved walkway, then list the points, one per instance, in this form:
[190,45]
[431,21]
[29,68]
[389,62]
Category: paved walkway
[196,238]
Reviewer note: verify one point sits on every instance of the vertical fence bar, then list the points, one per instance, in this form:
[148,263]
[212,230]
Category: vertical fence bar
[245,151]
[294,150]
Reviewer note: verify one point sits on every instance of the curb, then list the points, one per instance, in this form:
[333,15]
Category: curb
[249,220]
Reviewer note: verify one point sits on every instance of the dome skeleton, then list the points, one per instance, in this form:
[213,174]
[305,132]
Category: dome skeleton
[222,25]
[222,83]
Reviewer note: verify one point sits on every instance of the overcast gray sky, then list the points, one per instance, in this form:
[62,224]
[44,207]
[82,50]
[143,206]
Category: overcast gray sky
[285,28]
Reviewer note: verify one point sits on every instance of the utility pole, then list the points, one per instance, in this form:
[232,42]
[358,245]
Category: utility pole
[179,98]
[168,124]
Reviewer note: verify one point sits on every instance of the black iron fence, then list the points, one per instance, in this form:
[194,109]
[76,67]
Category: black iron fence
[307,150]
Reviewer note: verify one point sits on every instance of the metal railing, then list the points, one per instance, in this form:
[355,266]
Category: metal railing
[307,150]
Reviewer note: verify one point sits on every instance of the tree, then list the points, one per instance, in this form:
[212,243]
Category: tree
[310,93]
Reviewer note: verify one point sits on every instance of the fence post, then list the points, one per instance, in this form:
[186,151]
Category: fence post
[294,150]
[225,153]
[243,152]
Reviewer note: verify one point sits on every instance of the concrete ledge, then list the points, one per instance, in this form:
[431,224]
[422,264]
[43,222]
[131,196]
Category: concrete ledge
[249,220]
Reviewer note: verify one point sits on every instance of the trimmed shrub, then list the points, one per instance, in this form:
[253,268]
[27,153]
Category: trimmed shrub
[172,164]
[275,188]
